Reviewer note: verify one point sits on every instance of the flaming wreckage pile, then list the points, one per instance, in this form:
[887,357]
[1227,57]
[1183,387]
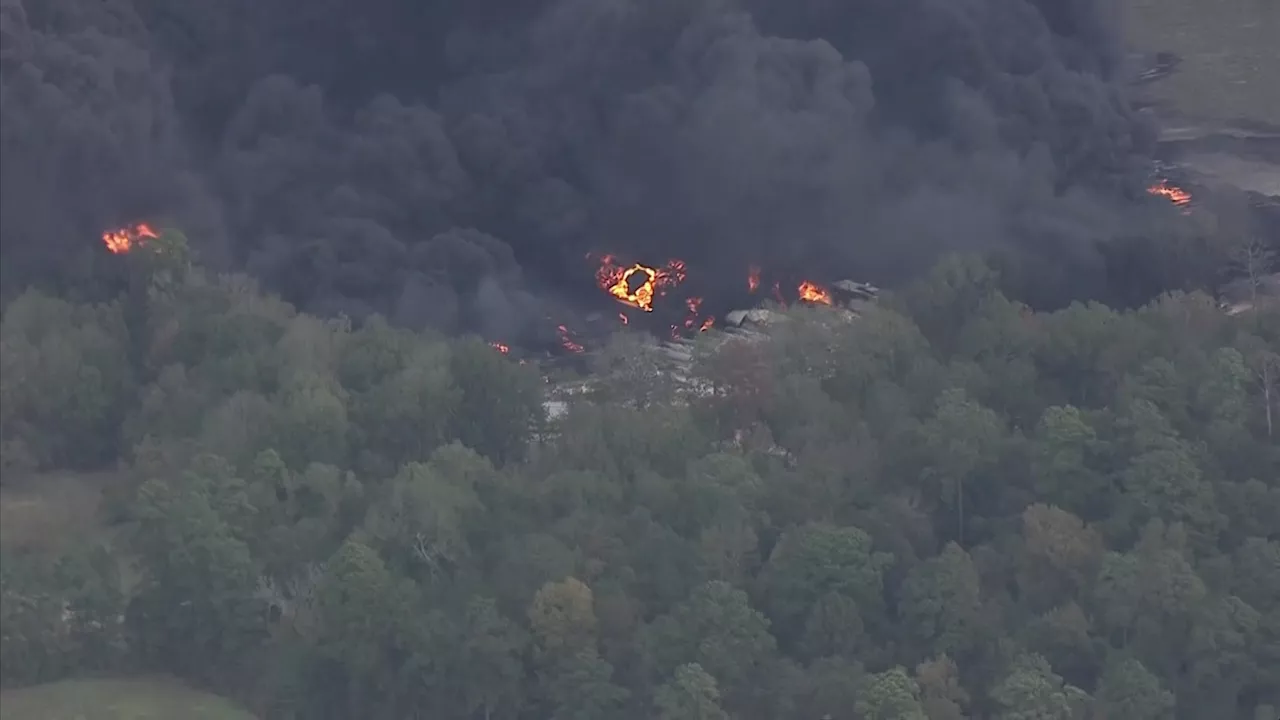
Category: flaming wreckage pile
[643,288]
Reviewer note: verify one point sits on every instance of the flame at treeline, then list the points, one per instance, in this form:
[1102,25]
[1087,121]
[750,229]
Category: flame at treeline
[124,239]
[642,287]
[1175,194]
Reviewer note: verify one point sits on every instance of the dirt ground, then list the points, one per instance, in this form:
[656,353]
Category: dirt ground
[1230,52]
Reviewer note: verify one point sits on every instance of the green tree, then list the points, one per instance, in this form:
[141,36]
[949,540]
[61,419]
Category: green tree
[196,610]
[299,518]
[1031,691]
[65,379]
[403,399]
[941,602]
[1148,598]
[834,627]
[942,695]
[563,619]
[312,422]
[582,688]
[1162,479]
[717,629]
[491,666]
[890,695]
[36,644]
[500,403]
[960,443]
[361,610]
[1128,690]
[1062,454]
[423,517]
[813,560]
[691,694]
[1060,556]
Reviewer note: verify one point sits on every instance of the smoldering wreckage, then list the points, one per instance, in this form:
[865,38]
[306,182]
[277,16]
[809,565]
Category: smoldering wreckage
[542,174]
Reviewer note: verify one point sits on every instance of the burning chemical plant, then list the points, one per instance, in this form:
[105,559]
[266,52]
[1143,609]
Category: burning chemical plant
[656,300]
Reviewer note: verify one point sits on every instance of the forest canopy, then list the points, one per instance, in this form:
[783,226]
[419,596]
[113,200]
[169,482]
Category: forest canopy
[951,507]
[308,451]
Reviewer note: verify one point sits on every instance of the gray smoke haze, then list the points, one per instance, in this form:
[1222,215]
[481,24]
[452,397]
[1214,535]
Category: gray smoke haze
[450,164]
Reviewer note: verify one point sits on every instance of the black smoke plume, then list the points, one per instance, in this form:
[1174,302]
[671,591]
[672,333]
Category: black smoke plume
[447,163]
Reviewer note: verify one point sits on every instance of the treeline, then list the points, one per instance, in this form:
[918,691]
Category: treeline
[952,507]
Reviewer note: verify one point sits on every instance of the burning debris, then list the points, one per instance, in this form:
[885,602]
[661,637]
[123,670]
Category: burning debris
[1175,194]
[813,293]
[566,340]
[638,285]
[124,239]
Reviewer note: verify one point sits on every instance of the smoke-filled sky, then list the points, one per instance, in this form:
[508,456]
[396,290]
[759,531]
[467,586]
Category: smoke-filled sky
[450,162]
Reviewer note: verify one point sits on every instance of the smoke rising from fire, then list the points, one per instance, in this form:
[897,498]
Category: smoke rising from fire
[451,164]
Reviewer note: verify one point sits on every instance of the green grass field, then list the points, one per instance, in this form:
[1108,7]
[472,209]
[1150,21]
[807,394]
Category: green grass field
[45,512]
[1230,53]
[140,699]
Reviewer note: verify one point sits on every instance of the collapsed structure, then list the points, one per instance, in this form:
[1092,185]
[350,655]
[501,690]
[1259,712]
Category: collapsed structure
[674,358]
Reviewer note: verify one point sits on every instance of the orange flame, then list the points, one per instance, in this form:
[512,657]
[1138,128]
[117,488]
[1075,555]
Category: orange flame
[813,293]
[638,285]
[500,347]
[693,304]
[566,339]
[1175,194]
[124,239]
[691,321]
[753,278]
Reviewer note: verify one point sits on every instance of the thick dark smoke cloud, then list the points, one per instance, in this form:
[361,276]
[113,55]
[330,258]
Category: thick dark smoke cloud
[447,163]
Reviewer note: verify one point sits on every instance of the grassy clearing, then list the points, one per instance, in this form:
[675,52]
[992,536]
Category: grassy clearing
[46,512]
[142,699]
[1230,53]
[43,513]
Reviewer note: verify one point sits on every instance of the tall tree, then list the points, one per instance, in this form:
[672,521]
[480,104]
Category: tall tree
[691,694]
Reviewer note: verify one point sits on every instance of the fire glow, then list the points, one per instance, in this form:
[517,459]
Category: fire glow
[566,340]
[641,287]
[638,285]
[124,239]
[1175,194]
[811,292]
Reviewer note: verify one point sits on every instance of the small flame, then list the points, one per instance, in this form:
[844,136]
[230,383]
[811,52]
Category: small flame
[691,321]
[813,293]
[124,239]
[500,347]
[566,339]
[1175,194]
[693,304]
[753,278]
